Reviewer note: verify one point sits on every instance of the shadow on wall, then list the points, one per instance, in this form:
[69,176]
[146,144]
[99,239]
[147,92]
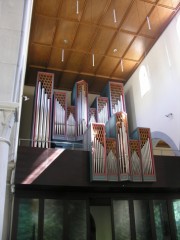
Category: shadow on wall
[172,150]
[130,108]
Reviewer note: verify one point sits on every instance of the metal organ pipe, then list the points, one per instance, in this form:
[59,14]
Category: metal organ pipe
[135,160]
[81,111]
[41,118]
[111,162]
[146,158]
[47,123]
[44,122]
[37,115]
[119,105]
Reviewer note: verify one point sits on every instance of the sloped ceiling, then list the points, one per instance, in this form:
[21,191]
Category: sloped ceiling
[94,40]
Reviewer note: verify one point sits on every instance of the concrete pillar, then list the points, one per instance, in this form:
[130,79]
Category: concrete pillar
[7,119]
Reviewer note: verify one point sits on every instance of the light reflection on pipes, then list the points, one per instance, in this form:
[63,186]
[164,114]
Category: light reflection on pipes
[42,167]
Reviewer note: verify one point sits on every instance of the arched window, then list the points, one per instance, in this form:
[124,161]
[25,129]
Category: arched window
[144,80]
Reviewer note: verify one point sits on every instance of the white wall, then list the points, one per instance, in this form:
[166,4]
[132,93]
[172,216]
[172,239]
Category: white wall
[11,14]
[164,94]
[15,16]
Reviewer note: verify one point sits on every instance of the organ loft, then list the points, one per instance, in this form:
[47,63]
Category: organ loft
[102,129]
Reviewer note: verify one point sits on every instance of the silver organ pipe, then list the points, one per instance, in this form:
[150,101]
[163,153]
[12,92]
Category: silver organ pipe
[41,118]
[48,136]
[45,121]
[37,113]
[102,106]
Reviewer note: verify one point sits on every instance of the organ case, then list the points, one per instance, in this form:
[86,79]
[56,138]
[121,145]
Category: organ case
[115,94]
[111,159]
[117,127]
[148,167]
[95,141]
[79,98]
[41,125]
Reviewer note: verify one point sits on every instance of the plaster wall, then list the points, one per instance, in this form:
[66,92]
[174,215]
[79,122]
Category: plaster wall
[162,64]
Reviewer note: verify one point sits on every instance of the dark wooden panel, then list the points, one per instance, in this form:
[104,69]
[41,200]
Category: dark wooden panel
[71,169]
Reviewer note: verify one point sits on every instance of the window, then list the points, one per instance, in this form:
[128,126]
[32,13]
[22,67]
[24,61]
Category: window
[144,80]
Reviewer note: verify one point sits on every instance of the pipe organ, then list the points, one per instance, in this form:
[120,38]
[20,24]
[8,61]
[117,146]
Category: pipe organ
[111,159]
[115,93]
[80,100]
[41,129]
[59,116]
[117,127]
[101,128]
[143,135]
[136,162]
[95,141]
[101,104]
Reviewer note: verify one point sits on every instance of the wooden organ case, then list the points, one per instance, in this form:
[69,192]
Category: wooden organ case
[42,115]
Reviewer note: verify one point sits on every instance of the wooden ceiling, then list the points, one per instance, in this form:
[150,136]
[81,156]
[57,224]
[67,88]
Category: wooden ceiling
[66,34]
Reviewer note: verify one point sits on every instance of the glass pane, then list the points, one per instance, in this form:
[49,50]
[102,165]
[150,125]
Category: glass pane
[142,220]
[53,219]
[28,219]
[121,220]
[161,220]
[176,209]
[101,217]
[76,220]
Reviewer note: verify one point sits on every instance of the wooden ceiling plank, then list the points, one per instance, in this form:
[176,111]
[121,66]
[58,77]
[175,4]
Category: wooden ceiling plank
[130,44]
[138,33]
[97,30]
[78,51]
[158,3]
[124,17]
[49,8]
[70,71]
[55,32]
[76,32]
[54,19]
